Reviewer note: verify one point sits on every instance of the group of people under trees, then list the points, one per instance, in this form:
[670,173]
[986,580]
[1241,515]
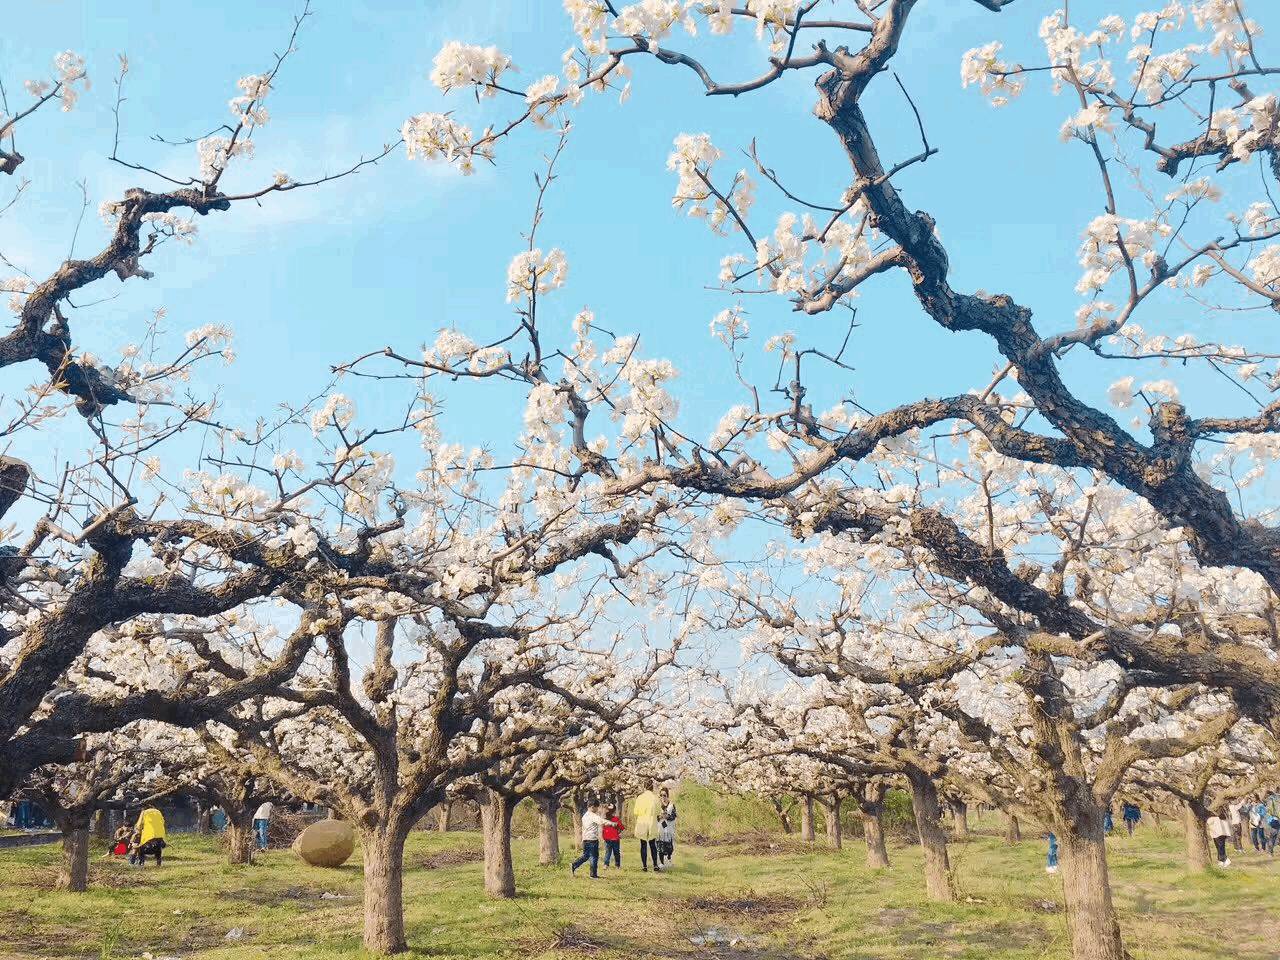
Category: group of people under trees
[1262,817]
[654,828]
[1075,595]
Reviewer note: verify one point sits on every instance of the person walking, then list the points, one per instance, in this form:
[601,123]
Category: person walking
[1235,826]
[647,809]
[666,827]
[612,834]
[592,824]
[1218,833]
[1051,865]
[1257,834]
[262,823]
[1131,815]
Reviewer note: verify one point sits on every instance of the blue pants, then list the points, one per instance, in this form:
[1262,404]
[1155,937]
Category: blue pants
[613,850]
[260,828]
[590,851]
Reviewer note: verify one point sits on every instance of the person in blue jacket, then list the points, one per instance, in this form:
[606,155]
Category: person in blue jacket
[1131,815]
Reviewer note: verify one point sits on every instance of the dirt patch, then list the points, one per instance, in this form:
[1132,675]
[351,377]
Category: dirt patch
[750,904]
[891,917]
[762,844]
[26,935]
[446,858]
[112,877]
[308,898]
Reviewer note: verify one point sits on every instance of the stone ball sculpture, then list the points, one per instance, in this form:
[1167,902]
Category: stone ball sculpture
[326,843]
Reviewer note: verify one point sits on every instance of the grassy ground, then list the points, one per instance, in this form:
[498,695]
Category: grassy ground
[776,898]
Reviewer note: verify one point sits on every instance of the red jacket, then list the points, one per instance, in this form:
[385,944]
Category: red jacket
[613,829]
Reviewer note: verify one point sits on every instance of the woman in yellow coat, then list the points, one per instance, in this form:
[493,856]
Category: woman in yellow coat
[646,828]
[150,833]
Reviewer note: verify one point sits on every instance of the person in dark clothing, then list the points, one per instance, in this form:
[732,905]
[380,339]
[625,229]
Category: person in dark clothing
[1131,815]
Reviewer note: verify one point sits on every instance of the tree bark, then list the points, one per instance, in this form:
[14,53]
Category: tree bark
[960,818]
[73,875]
[495,823]
[1013,831]
[1091,916]
[1199,856]
[933,839]
[831,813]
[806,818]
[383,850]
[548,831]
[444,816]
[579,808]
[102,825]
[780,809]
[873,830]
[240,839]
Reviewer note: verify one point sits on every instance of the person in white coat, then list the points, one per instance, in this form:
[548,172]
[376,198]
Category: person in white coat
[1218,833]
[262,823]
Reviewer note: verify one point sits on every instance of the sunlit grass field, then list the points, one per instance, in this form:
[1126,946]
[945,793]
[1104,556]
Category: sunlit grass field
[749,897]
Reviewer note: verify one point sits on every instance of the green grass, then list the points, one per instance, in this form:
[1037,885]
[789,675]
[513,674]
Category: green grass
[805,903]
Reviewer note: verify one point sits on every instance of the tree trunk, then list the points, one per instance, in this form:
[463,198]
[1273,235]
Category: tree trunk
[495,823]
[444,816]
[102,825]
[933,839]
[73,875]
[548,831]
[1091,916]
[831,813]
[1198,855]
[873,830]
[1012,831]
[579,808]
[383,852]
[960,818]
[240,839]
[806,818]
[780,808]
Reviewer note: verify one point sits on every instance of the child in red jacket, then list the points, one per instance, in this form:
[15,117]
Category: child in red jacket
[612,833]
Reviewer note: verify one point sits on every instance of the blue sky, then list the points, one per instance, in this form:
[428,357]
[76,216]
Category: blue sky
[319,276]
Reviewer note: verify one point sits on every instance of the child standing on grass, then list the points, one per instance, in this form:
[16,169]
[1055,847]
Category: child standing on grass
[1052,865]
[592,824]
[612,833]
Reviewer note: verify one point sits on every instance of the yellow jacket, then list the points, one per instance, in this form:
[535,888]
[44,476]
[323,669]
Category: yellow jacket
[150,825]
[646,811]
